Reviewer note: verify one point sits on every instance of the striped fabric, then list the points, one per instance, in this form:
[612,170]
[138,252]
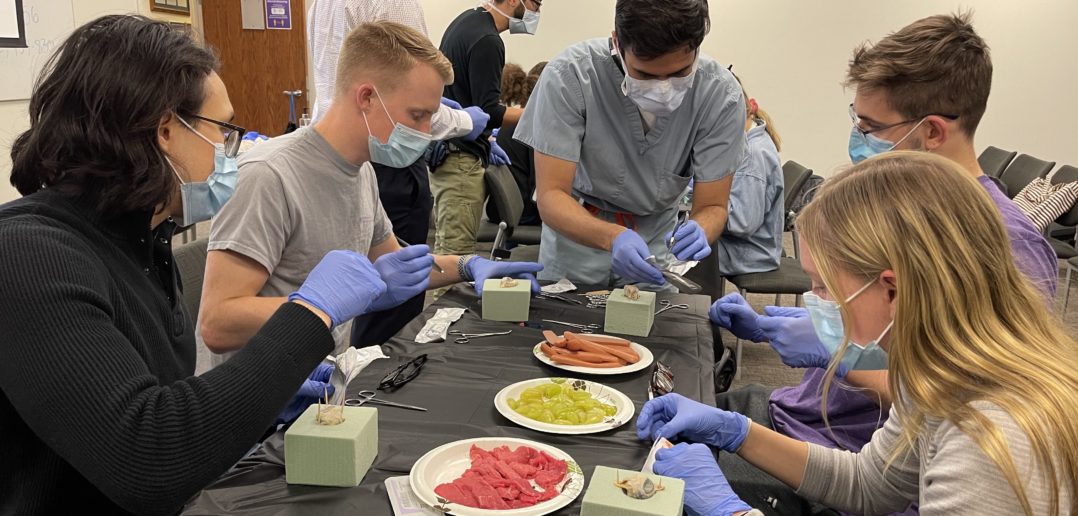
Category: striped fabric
[1044,202]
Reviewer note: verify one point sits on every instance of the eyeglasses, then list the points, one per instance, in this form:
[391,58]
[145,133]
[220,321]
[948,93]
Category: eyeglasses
[662,381]
[403,374]
[857,122]
[233,135]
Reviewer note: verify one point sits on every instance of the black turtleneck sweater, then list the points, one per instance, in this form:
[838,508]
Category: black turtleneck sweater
[100,410]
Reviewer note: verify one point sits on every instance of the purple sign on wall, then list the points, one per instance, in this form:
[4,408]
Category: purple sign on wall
[278,15]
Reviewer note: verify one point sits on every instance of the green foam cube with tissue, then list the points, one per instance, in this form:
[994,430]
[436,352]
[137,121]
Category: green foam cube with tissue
[331,455]
[628,316]
[510,304]
[605,498]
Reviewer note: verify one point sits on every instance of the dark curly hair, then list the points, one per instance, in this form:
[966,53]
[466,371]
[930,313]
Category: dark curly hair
[95,110]
[517,86]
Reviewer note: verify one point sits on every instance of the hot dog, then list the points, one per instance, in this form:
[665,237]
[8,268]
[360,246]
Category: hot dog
[553,338]
[603,339]
[569,360]
[576,342]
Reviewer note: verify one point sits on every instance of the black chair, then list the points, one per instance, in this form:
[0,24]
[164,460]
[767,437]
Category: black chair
[1022,171]
[994,160]
[794,176]
[506,197]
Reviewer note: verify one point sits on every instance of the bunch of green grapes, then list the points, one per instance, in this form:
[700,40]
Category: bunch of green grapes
[560,404]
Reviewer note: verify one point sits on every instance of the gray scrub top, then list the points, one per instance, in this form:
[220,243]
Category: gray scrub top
[578,113]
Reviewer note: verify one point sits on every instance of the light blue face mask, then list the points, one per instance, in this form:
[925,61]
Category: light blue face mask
[404,146]
[203,199]
[528,24]
[864,146]
[827,321]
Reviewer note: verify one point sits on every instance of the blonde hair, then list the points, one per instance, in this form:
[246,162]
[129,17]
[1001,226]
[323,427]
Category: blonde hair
[968,325]
[384,52]
[769,125]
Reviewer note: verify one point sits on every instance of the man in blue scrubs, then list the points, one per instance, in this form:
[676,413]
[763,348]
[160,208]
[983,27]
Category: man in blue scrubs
[619,126]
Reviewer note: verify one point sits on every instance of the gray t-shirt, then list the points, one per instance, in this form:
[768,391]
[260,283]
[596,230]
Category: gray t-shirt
[295,201]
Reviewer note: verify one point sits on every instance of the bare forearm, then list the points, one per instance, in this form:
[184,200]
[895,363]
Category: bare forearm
[780,456]
[712,219]
[228,326]
[876,384]
[566,216]
[511,116]
[448,263]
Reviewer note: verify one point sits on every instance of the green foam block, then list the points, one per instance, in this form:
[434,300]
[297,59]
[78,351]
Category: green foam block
[331,455]
[603,498]
[628,317]
[506,303]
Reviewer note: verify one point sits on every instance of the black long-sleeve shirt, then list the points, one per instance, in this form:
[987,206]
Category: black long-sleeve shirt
[475,47]
[100,409]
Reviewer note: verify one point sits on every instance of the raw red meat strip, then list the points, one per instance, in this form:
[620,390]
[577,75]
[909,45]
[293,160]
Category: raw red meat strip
[502,478]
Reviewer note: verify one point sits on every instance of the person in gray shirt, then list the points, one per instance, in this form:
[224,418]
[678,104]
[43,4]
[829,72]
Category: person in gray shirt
[904,253]
[302,195]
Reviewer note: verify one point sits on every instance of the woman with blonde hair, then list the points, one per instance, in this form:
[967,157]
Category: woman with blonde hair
[905,255]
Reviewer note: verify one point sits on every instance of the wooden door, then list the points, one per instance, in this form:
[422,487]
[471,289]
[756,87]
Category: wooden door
[258,65]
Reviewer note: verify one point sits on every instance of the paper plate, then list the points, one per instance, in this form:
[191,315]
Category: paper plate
[448,462]
[599,391]
[646,358]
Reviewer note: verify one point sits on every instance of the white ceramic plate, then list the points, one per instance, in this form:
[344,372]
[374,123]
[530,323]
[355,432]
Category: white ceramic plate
[448,462]
[646,358]
[599,391]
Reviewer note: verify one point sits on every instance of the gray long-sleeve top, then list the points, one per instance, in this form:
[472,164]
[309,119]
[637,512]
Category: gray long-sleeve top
[946,473]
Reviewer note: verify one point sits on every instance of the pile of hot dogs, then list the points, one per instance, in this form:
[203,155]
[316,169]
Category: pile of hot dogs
[573,349]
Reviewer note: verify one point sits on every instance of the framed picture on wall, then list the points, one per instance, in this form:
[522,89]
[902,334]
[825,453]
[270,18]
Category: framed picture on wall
[12,24]
[171,6]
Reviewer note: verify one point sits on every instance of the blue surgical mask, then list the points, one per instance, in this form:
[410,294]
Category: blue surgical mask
[203,199]
[866,146]
[526,25]
[404,146]
[827,321]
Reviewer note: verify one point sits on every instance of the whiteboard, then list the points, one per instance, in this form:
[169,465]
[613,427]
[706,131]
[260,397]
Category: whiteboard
[48,22]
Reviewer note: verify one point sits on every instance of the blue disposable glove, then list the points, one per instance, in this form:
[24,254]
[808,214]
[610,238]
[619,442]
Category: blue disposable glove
[481,269]
[450,103]
[314,387]
[794,338]
[690,242]
[497,155]
[479,121]
[731,312]
[628,258]
[406,273]
[343,285]
[675,417]
[707,492]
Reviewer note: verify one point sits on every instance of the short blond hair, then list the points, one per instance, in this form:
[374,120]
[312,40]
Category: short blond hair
[384,51]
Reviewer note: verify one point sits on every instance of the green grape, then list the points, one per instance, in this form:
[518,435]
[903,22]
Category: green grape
[551,391]
[580,395]
[557,380]
[513,403]
[563,422]
[592,420]
[610,410]
[530,394]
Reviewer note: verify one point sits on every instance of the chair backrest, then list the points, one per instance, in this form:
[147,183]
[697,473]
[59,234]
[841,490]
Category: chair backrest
[794,176]
[1067,174]
[994,160]
[505,194]
[1022,171]
[191,262]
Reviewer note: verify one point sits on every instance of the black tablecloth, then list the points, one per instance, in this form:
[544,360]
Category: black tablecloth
[457,385]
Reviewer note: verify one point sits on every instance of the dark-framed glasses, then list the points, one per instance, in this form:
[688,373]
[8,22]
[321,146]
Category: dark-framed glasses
[233,134]
[865,132]
[662,381]
[403,374]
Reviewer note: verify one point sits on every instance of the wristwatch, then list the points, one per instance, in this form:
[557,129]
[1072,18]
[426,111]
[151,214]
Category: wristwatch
[462,266]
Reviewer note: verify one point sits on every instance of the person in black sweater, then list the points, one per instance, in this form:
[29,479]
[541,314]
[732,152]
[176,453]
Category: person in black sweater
[100,411]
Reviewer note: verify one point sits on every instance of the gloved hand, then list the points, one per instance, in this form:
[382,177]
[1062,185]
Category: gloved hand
[707,492]
[731,312]
[628,258]
[406,273]
[436,153]
[479,121]
[343,285]
[794,338]
[481,269]
[676,417]
[690,242]
[314,387]
[497,155]
[450,103]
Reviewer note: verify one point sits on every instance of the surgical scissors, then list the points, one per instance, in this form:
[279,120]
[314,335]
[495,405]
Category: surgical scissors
[585,328]
[665,305]
[465,337]
[369,397]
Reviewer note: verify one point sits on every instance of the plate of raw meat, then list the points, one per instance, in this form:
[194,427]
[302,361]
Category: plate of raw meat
[496,475]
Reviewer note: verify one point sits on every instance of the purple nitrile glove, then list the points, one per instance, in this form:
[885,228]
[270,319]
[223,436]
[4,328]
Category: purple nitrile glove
[450,103]
[731,312]
[793,337]
[628,259]
[676,417]
[690,242]
[314,387]
[707,492]
[497,155]
[406,273]
[479,121]
[481,269]
[343,285]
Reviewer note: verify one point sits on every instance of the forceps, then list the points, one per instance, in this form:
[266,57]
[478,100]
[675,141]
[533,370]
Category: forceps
[465,337]
[665,305]
[369,397]
[585,328]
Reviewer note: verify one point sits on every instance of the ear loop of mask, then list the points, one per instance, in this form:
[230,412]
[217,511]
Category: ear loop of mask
[384,109]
